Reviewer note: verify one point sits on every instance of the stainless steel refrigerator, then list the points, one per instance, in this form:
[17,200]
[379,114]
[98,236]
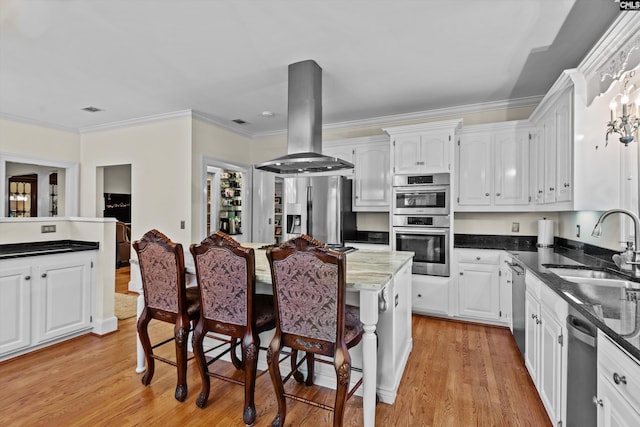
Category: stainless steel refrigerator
[320,206]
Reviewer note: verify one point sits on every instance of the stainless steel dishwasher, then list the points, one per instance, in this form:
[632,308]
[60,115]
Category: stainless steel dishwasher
[518,289]
[581,370]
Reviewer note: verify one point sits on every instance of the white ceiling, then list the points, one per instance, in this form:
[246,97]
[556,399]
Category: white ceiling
[228,59]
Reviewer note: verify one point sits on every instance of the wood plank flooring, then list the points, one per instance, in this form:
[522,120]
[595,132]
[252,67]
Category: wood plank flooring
[459,374]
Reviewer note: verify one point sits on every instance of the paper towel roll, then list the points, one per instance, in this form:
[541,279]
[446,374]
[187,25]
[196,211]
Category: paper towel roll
[545,233]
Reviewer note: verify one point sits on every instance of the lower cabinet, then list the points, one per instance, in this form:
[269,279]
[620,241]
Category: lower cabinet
[618,397]
[430,294]
[44,298]
[545,354]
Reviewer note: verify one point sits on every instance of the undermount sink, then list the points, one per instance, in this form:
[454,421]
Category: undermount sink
[594,277]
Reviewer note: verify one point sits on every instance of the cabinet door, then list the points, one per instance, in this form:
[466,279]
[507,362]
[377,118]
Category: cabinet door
[564,139]
[549,138]
[372,182]
[511,171]
[550,368]
[474,170]
[613,409]
[536,166]
[531,352]
[479,291]
[435,152]
[407,154]
[62,296]
[506,279]
[430,294]
[262,226]
[15,308]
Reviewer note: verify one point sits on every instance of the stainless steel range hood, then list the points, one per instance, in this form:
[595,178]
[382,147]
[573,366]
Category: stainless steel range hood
[304,127]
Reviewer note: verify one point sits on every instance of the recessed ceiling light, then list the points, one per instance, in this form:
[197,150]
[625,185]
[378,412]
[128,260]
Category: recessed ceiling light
[92,109]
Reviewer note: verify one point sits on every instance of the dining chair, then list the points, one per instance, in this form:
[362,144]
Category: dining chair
[230,307]
[309,291]
[166,298]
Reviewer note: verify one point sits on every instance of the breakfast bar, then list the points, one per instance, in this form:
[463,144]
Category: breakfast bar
[380,283]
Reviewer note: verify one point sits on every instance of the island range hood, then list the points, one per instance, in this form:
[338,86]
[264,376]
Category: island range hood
[304,125]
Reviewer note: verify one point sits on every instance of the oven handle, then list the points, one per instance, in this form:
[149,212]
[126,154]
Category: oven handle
[424,231]
[421,189]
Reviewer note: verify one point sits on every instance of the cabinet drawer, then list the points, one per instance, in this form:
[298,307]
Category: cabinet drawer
[619,369]
[478,256]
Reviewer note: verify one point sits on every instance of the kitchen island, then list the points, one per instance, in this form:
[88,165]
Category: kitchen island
[380,283]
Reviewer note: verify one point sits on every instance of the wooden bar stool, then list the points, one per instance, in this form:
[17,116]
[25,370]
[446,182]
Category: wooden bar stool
[230,307]
[166,298]
[312,316]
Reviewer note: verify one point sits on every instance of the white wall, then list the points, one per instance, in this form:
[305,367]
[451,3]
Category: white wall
[117,179]
[160,157]
[39,142]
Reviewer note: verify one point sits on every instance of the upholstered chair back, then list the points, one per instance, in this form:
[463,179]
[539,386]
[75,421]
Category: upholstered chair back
[222,277]
[162,269]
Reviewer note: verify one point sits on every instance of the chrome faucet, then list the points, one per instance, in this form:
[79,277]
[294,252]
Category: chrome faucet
[597,232]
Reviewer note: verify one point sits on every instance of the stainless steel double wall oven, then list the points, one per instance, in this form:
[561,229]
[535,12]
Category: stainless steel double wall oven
[421,221]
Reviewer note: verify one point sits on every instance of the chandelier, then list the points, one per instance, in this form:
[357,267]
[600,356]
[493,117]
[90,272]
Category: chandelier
[624,120]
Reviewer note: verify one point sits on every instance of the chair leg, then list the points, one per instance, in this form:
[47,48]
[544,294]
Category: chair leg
[238,363]
[273,358]
[297,375]
[143,323]
[198,339]
[250,346]
[181,331]
[342,364]
[311,364]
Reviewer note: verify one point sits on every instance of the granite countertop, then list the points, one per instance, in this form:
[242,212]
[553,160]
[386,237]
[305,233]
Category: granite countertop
[606,307]
[366,269]
[18,250]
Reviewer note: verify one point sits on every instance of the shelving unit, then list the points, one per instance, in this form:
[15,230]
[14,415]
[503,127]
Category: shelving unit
[278,210]
[231,202]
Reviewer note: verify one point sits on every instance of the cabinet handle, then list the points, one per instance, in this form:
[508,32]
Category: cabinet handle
[461,273]
[486,194]
[566,185]
[619,379]
[44,275]
[539,191]
[419,295]
[597,401]
[498,194]
[538,321]
[551,188]
[533,316]
[477,258]
[27,277]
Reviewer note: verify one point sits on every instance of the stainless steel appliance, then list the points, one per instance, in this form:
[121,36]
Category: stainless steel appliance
[518,289]
[581,370]
[320,206]
[428,237]
[421,194]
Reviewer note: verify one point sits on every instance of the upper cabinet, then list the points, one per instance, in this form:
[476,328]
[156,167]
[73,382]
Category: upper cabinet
[571,169]
[371,172]
[423,148]
[492,167]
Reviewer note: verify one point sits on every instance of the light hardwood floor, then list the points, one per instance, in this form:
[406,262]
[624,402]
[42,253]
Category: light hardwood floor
[459,374]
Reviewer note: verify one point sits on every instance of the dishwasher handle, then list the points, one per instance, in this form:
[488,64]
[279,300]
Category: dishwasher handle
[581,330]
[516,268]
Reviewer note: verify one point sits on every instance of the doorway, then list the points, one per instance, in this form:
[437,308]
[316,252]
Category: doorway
[23,196]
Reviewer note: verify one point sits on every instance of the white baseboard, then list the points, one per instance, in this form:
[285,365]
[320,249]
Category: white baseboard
[104,326]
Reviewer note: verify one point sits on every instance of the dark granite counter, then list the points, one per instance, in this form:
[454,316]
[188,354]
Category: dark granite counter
[18,250]
[613,310]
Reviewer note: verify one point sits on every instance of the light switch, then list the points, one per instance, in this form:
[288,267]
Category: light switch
[515,227]
[182,225]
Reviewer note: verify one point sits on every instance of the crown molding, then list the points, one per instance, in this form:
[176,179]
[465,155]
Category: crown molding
[220,123]
[24,120]
[136,121]
[423,115]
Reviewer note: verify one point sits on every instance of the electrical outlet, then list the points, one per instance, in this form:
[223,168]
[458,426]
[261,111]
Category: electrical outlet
[515,227]
[182,225]
[48,229]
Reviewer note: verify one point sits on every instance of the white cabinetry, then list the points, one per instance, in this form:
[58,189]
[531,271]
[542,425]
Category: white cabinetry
[545,354]
[371,173]
[371,177]
[47,298]
[431,295]
[15,303]
[423,148]
[618,385]
[493,166]
[478,284]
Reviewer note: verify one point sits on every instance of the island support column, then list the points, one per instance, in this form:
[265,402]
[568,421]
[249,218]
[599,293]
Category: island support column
[369,317]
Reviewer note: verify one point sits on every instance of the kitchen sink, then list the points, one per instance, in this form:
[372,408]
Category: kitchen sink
[594,277]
